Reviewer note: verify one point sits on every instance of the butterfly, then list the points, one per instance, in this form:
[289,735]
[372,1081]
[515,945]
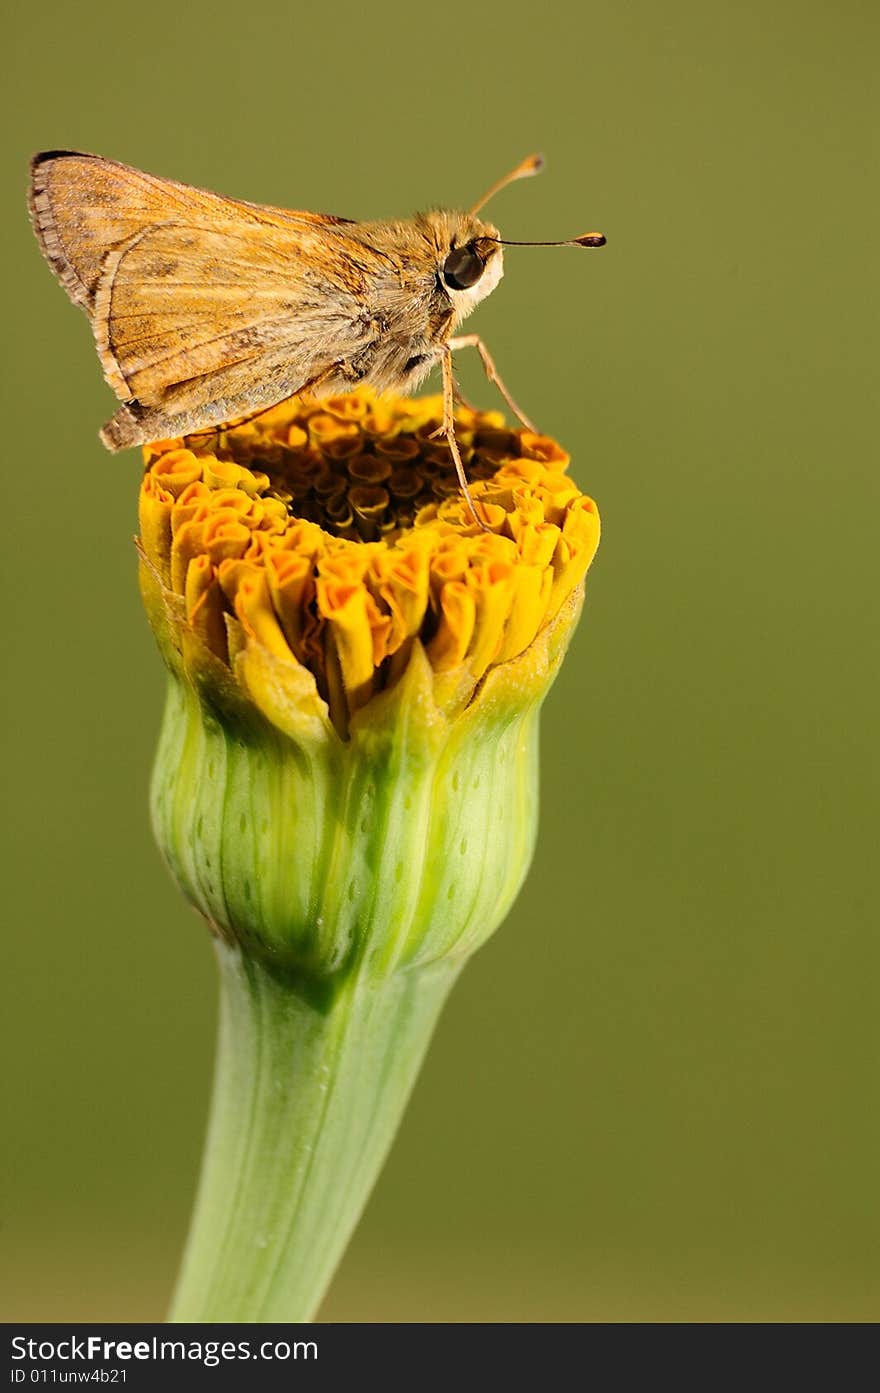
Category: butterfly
[206,308]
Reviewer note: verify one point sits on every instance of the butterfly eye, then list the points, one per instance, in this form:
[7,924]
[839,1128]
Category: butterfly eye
[463,268]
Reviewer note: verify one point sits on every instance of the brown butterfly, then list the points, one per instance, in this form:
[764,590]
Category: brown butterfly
[206,309]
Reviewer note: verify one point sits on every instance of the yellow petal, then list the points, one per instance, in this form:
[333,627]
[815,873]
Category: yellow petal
[402,583]
[575,550]
[253,605]
[458,611]
[492,587]
[531,593]
[291,586]
[345,609]
[204,605]
[176,469]
[154,523]
[543,448]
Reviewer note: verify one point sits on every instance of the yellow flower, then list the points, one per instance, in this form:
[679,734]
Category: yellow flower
[357,672]
[333,535]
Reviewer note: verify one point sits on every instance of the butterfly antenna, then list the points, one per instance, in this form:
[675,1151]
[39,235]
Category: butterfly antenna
[532,164]
[586,239]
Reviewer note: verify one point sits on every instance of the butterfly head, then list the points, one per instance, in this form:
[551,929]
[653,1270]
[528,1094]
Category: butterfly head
[470,261]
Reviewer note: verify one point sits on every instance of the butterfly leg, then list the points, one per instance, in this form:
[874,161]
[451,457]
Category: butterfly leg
[474,341]
[461,400]
[448,430]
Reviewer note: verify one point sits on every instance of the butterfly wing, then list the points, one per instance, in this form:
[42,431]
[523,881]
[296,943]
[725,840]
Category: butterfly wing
[202,307]
[81,205]
[180,308]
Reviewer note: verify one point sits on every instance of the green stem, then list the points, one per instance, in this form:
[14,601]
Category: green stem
[306,1103]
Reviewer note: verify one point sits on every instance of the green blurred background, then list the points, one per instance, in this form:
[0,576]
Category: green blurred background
[652,1096]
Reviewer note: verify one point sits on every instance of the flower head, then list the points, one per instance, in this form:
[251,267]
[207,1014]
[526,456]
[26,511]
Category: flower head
[332,535]
[347,776]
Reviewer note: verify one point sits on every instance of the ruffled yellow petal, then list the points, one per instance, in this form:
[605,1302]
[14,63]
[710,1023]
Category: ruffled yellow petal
[204,605]
[154,522]
[291,586]
[257,617]
[176,469]
[458,612]
[357,627]
[401,581]
[492,586]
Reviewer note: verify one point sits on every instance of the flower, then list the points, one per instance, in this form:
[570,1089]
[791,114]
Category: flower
[346,781]
[332,536]
[315,575]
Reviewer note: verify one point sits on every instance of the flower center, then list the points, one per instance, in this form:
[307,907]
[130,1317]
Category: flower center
[361,469]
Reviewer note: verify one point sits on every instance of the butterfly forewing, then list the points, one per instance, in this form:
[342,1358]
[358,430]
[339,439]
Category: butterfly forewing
[82,205]
[195,298]
[179,303]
